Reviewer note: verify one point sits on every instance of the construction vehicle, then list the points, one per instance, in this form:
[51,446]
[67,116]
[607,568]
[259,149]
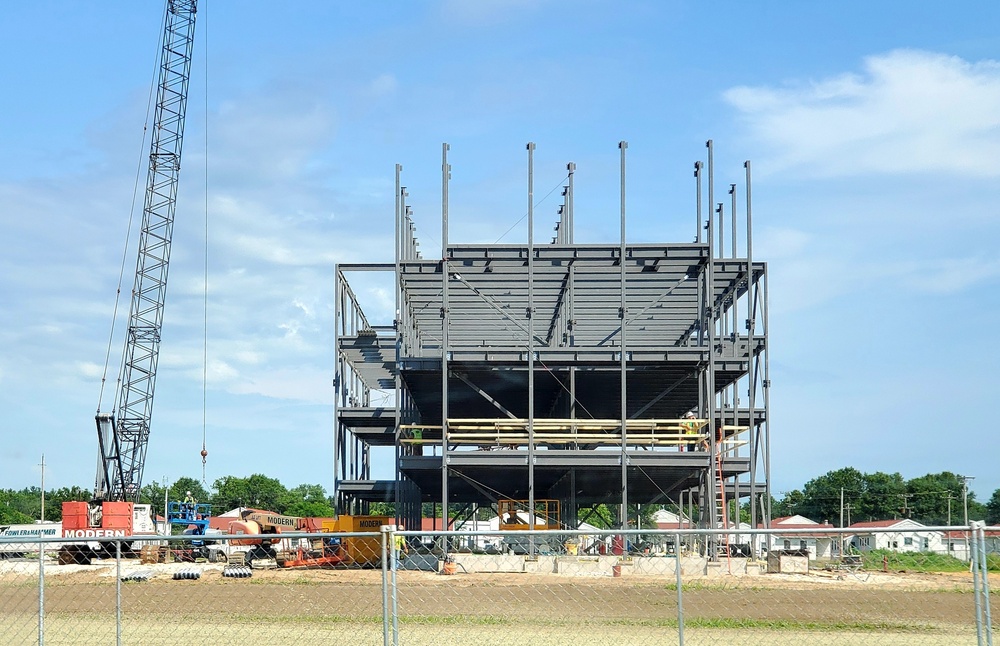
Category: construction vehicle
[194,519]
[123,436]
[514,517]
[321,551]
[102,520]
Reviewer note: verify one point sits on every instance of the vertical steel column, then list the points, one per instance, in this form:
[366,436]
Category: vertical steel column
[735,340]
[752,366]
[697,217]
[766,428]
[710,327]
[531,345]
[623,315]
[397,324]
[445,176]
[337,386]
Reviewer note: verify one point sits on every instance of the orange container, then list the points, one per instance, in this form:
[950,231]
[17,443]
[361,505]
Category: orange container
[117,515]
[74,516]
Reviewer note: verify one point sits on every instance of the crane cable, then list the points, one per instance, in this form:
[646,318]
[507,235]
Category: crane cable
[204,363]
[131,218]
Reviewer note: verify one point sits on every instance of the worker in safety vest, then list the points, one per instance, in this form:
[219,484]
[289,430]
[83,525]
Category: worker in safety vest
[399,545]
[690,427]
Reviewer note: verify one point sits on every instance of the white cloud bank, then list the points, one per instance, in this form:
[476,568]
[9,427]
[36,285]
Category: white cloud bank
[908,112]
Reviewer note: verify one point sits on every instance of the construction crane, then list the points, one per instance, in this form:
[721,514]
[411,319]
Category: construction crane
[124,434]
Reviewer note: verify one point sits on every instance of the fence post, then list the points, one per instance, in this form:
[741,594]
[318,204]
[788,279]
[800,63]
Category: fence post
[680,594]
[41,592]
[385,585]
[395,565]
[979,536]
[118,593]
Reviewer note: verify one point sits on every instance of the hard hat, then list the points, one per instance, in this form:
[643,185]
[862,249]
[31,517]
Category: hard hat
[689,414]
[189,493]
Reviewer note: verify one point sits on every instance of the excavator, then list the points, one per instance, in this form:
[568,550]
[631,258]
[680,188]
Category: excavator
[124,435]
[260,538]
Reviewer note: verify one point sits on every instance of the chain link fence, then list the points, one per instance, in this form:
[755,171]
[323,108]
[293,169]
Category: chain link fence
[877,586]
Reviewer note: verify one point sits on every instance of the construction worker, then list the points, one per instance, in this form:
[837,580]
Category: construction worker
[189,503]
[690,427]
[400,548]
[418,441]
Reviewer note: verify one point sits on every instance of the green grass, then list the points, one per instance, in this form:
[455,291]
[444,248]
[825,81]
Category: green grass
[912,562]
[718,623]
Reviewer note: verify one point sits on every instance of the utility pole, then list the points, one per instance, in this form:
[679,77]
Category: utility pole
[965,508]
[842,522]
[906,508]
[166,491]
[42,515]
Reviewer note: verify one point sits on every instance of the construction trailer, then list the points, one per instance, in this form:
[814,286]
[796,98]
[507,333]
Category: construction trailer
[260,539]
[603,376]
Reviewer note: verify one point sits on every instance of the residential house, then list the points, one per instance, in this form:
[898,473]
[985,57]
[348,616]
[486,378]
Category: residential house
[803,533]
[899,535]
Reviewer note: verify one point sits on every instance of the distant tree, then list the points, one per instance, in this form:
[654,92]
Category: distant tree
[927,499]
[55,498]
[309,509]
[178,490]
[788,505]
[304,494]
[382,509]
[152,494]
[993,509]
[977,510]
[10,516]
[879,499]
[257,491]
[822,495]
[27,501]
[865,496]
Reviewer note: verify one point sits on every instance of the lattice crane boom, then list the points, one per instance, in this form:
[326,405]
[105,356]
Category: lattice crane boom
[124,435]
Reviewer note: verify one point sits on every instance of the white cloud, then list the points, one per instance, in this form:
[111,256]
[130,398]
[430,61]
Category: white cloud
[946,275]
[486,12]
[384,85]
[776,243]
[89,370]
[304,383]
[908,112]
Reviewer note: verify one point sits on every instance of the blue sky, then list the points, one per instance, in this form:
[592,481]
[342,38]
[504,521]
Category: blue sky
[874,134]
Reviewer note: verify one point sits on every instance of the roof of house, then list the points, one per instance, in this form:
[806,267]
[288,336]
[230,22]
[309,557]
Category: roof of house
[896,522]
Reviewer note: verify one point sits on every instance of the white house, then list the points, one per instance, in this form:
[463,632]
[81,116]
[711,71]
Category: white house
[903,535]
[666,519]
[815,538]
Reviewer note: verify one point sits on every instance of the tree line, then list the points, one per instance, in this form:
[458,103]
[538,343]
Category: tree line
[257,491]
[934,499]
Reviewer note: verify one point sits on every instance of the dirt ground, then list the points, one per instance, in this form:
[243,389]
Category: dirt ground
[324,606]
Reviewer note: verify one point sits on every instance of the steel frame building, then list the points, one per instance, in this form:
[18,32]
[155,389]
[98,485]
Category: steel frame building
[561,371]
